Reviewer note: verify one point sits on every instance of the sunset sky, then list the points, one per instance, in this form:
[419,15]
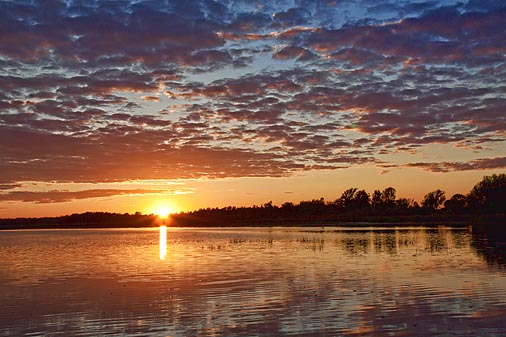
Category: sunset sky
[127,106]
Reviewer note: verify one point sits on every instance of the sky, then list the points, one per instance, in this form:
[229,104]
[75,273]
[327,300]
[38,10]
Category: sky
[128,106]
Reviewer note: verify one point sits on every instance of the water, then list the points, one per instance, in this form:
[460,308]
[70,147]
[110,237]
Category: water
[253,282]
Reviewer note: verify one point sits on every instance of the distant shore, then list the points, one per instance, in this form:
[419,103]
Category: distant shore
[113,220]
[484,205]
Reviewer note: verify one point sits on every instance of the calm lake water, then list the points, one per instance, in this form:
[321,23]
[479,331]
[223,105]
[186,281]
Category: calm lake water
[253,282]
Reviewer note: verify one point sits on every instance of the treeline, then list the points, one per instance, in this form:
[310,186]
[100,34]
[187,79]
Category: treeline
[486,201]
[83,220]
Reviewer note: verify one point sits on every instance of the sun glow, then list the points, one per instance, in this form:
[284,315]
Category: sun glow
[163,212]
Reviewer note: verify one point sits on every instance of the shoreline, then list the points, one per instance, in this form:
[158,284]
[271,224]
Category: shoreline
[113,220]
[316,225]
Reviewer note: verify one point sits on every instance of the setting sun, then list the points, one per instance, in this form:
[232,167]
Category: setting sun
[163,212]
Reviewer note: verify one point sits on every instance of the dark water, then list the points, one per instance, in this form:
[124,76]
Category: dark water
[253,282]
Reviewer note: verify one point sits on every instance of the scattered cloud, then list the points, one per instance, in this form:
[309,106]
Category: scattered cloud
[112,91]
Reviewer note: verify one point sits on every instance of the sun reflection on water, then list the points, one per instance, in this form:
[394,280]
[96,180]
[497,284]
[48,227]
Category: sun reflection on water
[163,242]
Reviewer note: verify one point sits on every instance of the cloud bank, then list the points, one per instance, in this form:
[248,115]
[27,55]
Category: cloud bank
[113,91]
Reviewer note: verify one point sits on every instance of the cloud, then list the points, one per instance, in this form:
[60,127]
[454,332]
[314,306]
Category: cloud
[477,164]
[56,196]
[113,33]
[442,36]
[119,155]
[293,52]
[291,17]
[112,91]
[9,186]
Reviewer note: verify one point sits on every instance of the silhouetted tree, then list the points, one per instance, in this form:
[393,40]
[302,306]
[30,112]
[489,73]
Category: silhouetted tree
[353,199]
[361,200]
[376,199]
[315,206]
[385,199]
[347,197]
[489,195]
[434,200]
[456,204]
[388,196]
[287,205]
[403,203]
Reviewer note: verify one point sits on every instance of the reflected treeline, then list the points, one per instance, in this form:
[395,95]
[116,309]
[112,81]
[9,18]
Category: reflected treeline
[490,243]
[395,241]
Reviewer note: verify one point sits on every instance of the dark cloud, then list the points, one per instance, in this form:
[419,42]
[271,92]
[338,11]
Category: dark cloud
[249,22]
[292,17]
[477,164]
[356,56]
[443,36]
[293,52]
[107,33]
[126,154]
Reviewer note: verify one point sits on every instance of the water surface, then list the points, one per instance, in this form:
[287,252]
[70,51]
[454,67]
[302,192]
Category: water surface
[253,282]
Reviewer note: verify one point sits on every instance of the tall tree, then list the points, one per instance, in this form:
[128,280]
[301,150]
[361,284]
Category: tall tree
[489,194]
[456,204]
[376,199]
[347,197]
[388,196]
[361,200]
[434,200]
[404,203]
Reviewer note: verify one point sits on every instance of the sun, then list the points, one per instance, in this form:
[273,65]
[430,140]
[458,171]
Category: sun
[163,212]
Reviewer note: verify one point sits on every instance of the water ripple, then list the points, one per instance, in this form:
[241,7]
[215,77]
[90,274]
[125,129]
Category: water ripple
[252,281]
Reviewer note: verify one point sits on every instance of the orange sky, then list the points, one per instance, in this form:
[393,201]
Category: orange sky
[185,195]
